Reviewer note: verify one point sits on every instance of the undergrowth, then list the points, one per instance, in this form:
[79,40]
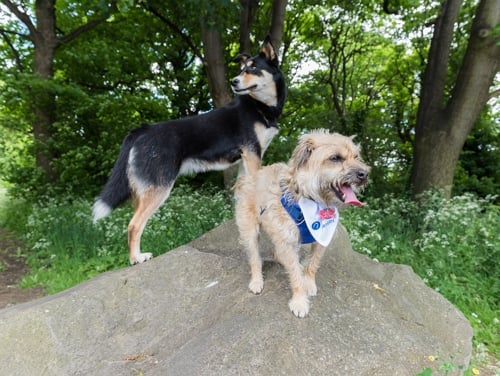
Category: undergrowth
[454,245]
[66,247]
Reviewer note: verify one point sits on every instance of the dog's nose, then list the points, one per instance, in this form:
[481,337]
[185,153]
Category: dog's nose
[362,174]
[235,81]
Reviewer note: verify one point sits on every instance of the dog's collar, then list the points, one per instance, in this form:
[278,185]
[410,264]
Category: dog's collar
[267,121]
[270,115]
[293,209]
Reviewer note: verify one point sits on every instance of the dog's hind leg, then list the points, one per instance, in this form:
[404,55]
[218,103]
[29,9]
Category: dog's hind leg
[145,206]
[311,267]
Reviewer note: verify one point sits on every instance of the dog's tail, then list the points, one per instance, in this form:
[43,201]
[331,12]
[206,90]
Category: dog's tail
[117,189]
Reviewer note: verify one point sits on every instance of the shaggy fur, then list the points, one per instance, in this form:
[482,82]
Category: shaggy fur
[324,167]
[152,156]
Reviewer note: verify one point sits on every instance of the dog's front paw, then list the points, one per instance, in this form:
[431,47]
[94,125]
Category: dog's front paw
[256,285]
[299,306]
[310,286]
[140,258]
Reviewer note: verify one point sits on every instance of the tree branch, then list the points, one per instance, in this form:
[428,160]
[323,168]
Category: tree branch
[6,31]
[247,16]
[17,57]
[21,16]
[89,25]
[277,21]
[434,78]
[172,26]
[82,29]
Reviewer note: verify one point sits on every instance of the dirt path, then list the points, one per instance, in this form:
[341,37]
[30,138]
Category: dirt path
[12,269]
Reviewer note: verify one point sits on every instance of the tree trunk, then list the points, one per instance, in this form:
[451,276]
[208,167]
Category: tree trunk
[215,66]
[441,130]
[43,101]
[277,22]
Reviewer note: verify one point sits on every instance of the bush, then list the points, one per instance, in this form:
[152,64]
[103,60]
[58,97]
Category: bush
[67,248]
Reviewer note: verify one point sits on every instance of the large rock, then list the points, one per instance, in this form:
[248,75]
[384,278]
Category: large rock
[189,312]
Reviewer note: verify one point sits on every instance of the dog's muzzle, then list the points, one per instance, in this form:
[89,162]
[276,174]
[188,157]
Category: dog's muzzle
[235,85]
[345,191]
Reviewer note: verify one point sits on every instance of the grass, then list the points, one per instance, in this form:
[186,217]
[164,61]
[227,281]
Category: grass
[66,248]
[453,245]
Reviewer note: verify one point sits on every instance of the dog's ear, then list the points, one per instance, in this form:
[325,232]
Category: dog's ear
[352,138]
[302,152]
[241,59]
[268,51]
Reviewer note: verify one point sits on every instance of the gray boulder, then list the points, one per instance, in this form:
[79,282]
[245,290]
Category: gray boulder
[189,312]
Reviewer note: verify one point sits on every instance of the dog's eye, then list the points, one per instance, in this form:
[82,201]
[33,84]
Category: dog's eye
[336,158]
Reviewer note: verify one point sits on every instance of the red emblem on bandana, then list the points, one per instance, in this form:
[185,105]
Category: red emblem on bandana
[326,214]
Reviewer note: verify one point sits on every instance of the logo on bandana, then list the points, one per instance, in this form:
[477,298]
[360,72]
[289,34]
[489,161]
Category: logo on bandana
[326,214]
[316,225]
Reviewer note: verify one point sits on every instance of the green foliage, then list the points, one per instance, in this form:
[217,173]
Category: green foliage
[365,84]
[477,170]
[348,69]
[67,248]
[86,138]
[452,245]
[127,71]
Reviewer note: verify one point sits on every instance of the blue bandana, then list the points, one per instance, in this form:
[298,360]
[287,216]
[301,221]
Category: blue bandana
[293,209]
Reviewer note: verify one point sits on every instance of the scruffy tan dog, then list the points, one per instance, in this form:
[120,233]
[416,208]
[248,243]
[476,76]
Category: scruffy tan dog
[291,201]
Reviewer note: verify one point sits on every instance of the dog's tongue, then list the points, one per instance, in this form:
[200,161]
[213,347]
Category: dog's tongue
[349,196]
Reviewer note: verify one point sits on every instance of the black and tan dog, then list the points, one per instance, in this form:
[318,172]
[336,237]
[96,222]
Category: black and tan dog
[152,156]
[297,203]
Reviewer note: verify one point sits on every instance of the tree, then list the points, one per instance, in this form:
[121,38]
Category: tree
[42,33]
[444,121]
[151,61]
[99,82]
[247,16]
